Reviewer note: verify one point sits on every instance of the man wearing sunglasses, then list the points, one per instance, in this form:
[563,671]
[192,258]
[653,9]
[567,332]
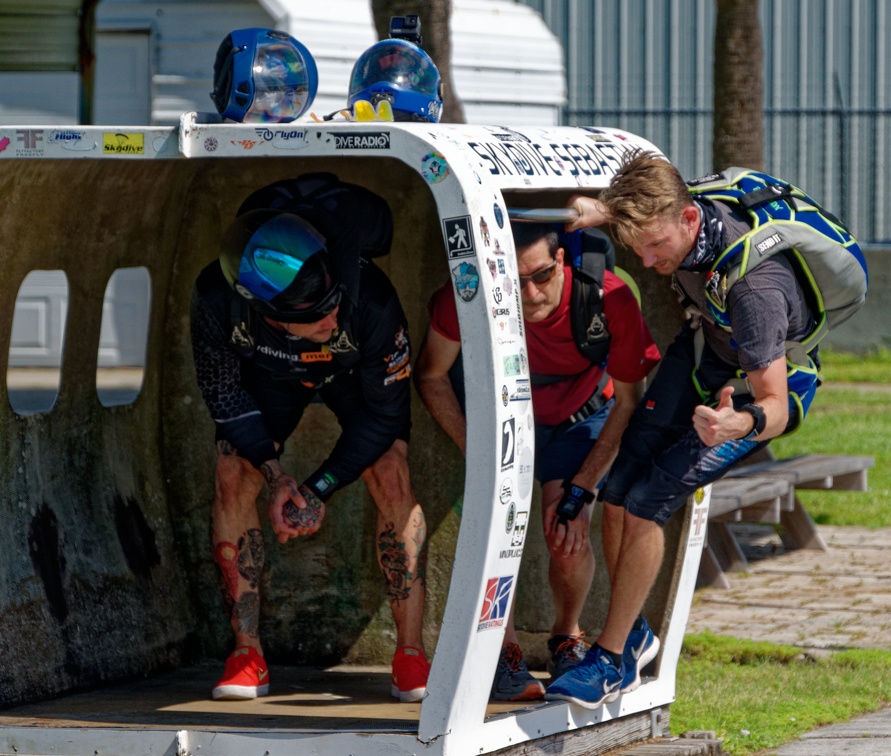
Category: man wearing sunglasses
[580,413]
[277,323]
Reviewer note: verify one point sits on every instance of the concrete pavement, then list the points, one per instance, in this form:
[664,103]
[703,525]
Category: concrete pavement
[869,735]
[819,601]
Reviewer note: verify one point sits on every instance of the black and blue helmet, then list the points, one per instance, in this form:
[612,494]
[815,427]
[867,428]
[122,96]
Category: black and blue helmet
[263,76]
[279,263]
[400,72]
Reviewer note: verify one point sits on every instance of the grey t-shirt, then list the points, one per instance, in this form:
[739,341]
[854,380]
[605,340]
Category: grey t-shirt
[767,308]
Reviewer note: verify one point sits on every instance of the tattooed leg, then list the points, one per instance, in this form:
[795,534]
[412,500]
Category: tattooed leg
[240,568]
[394,563]
[237,541]
[401,542]
[402,556]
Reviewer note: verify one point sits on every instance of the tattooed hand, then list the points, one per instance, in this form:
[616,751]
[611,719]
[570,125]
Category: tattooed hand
[293,509]
[307,519]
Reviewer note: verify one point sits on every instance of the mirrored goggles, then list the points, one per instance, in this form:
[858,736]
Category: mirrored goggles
[266,273]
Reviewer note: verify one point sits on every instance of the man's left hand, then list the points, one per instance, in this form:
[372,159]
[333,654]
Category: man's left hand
[293,510]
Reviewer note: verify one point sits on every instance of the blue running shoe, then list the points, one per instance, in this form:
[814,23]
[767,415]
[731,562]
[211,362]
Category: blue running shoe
[640,649]
[565,651]
[513,681]
[594,681]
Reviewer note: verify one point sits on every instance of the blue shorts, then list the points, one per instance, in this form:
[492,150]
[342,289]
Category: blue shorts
[661,459]
[559,453]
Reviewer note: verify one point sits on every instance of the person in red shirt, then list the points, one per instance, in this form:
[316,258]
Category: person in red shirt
[581,410]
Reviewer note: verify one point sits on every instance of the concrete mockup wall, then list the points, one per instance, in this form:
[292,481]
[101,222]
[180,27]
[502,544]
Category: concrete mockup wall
[870,328]
[105,561]
[105,568]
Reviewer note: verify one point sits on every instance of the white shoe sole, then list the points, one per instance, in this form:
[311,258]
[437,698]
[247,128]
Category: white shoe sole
[608,698]
[407,696]
[645,658]
[239,692]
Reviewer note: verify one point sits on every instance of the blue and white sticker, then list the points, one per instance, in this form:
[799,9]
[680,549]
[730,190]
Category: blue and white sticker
[467,280]
[434,167]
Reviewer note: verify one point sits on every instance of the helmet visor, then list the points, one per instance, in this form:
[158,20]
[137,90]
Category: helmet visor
[281,84]
[266,269]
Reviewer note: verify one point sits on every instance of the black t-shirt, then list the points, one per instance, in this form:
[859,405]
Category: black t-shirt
[369,353]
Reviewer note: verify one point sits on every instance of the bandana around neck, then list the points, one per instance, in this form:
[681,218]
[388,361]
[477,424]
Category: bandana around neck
[711,230]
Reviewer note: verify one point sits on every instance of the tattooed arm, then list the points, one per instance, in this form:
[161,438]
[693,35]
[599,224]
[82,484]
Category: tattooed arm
[293,509]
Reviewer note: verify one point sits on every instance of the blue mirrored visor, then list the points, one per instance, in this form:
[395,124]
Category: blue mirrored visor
[266,273]
[266,270]
[396,62]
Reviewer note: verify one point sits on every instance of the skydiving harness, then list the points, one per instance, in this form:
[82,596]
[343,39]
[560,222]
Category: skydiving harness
[827,261]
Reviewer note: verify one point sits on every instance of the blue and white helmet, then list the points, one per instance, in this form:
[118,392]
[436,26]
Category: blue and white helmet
[263,76]
[400,72]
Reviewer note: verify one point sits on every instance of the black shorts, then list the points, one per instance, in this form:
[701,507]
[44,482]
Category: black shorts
[661,460]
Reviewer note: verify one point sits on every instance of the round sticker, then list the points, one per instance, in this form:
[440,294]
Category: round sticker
[434,167]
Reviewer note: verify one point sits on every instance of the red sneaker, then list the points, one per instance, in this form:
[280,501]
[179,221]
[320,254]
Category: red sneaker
[246,676]
[410,672]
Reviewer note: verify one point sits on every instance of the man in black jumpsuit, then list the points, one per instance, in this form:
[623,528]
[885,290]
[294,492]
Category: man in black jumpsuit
[282,317]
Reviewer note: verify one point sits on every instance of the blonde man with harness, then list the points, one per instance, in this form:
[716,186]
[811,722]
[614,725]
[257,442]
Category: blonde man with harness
[724,388]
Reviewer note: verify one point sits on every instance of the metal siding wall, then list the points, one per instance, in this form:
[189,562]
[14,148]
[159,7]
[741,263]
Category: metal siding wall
[53,22]
[646,66]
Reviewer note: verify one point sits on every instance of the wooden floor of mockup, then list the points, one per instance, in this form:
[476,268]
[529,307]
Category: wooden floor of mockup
[343,698]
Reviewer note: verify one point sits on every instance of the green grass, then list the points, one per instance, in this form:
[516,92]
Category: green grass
[874,367]
[851,414]
[758,695]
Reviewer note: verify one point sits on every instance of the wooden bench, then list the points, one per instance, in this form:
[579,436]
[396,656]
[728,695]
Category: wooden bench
[750,499]
[763,490]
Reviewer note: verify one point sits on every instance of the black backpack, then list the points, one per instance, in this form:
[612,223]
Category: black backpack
[356,223]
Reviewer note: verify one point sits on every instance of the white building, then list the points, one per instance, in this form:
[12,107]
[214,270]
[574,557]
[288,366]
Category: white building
[154,61]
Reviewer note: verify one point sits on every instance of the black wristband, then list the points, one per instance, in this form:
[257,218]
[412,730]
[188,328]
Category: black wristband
[574,498]
[322,484]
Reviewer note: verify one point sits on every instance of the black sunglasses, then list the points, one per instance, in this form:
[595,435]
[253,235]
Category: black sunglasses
[540,276]
[315,312]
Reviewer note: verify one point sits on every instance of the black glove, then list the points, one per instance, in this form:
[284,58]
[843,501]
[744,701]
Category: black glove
[574,498]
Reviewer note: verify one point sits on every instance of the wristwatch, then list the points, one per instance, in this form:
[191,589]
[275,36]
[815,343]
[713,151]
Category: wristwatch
[757,412]
[574,498]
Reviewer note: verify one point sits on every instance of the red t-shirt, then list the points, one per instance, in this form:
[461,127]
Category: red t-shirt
[552,350]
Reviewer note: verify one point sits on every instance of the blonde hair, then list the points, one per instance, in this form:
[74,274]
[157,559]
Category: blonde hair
[646,189]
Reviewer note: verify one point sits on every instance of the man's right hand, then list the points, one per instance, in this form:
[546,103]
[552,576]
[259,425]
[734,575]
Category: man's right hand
[591,212]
